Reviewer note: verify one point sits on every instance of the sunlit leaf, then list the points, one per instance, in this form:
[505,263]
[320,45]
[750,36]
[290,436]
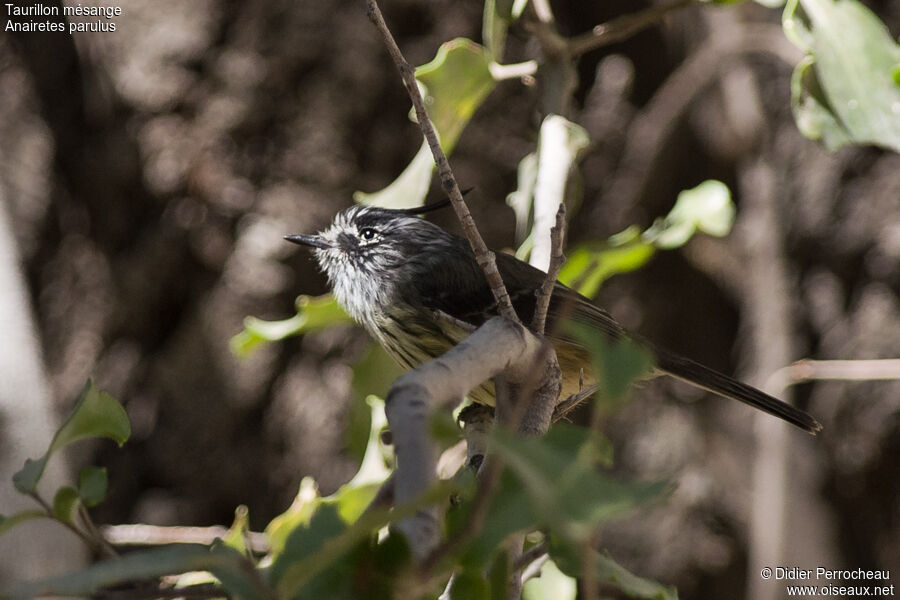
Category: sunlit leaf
[845,90]
[589,265]
[707,208]
[313,314]
[454,84]
[96,415]
[299,513]
[553,584]
[92,485]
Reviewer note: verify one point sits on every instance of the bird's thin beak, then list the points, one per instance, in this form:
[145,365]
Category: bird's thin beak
[308,240]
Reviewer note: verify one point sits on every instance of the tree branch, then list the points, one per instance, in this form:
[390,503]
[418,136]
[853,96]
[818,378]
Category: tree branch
[483,255]
[154,535]
[557,258]
[622,27]
[500,346]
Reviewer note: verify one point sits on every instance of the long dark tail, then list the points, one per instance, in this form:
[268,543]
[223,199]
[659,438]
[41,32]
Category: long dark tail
[707,379]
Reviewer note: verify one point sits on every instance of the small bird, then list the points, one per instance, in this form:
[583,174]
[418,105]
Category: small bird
[419,291]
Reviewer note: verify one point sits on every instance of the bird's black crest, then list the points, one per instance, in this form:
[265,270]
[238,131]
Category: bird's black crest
[426,208]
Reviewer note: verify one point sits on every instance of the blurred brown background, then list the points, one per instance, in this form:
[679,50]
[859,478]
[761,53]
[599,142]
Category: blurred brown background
[148,175]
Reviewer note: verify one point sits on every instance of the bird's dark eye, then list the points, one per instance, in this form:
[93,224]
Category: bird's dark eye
[368,234]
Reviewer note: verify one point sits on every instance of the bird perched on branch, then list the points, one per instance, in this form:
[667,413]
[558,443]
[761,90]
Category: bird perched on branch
[419,291]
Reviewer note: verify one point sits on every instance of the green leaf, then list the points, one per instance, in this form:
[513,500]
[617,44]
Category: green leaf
[96,415]
[564,488]
[92,485]
[498,575]
[469,585]
[298,514]
[374,374]
[569,560]
[589,265]
[313,314]
[65,503]
[510,511]
[226,564]
[617,364]
[552,584]
[7,523]
[318,556]
[707,208]
[844,91]
[455,83]
[496,20]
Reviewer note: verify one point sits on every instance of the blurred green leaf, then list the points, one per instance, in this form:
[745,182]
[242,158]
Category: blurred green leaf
[497,17]
[306,542]
[564,488]
[92,485]
[510,511]
[65,503]
[225,564]
[298,514]
[844,91]
[373,468]
[498,575]
[349,501]
[96,415]
[7,523]
[454,83]
[707,208]
[374,374]
[589,265]
[617,364]
[553,584]
[313,314]
[469,584]
[569,560]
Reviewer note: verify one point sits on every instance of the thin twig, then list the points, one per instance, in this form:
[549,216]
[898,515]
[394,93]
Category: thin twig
[623,27]
[90,542]
[531,555]
[533,569]
[542,303]
[154,535]
[105,547]
[841,370]
[485,257]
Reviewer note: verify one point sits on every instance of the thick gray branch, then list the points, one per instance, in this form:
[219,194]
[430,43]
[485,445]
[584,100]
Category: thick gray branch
[499,347]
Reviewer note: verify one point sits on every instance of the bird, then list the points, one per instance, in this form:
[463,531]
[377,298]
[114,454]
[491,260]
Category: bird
[418,290]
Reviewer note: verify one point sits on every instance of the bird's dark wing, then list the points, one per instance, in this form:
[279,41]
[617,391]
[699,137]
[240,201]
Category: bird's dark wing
[461,291]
